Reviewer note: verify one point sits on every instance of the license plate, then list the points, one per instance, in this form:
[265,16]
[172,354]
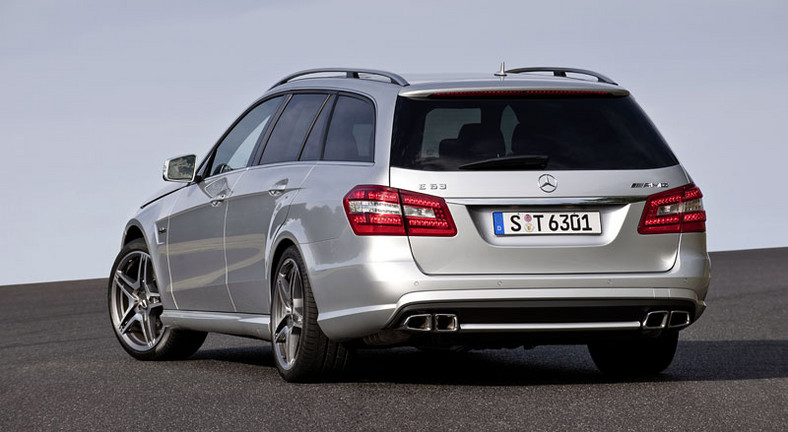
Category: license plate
[531,223]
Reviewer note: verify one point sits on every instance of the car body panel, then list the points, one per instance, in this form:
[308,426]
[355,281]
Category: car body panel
[258,207]
[195,244]
[473,197]
[397,282]
[152,221]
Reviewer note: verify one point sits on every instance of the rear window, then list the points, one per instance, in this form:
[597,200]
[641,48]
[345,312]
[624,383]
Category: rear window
[580,133]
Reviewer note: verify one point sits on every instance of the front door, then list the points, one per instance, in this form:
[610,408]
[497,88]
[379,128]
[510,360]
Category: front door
[195,245]
[195,238]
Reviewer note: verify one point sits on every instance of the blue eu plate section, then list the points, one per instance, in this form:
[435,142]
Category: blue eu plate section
[498,223]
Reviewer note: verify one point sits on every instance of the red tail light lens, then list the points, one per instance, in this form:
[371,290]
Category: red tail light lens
[374,210]
[426,215]
[674,211]
[380,210]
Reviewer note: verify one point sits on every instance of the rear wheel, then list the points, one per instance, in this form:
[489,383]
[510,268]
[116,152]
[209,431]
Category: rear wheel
[640,357]
[135,307]
[301,351]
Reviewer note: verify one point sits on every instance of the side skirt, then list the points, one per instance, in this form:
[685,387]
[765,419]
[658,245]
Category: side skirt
[256,326]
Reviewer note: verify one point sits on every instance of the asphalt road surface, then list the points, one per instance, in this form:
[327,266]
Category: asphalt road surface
[62,369]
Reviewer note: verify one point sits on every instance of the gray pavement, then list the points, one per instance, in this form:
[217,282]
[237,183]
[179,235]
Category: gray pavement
[62,369]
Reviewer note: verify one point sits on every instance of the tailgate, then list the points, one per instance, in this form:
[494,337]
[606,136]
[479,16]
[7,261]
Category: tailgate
[474,197]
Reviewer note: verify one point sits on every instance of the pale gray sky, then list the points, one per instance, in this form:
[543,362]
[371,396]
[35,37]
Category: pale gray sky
[94,95]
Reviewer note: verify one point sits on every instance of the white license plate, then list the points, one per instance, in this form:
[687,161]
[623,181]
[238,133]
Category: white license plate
[530,223]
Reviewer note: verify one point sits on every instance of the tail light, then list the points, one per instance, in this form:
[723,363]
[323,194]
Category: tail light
[675,211]
[381,210]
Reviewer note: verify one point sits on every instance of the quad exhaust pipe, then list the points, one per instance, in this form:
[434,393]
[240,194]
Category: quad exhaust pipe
[659,320]
[679,319]
[430,322]
[418,322]
[445,322]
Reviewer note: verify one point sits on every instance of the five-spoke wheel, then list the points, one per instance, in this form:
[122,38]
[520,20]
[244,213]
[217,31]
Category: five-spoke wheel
[287,314]
[135,309]
[301,351]
[135,303]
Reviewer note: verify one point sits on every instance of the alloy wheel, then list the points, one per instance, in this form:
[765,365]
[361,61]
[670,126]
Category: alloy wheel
[288,313]
[135,302]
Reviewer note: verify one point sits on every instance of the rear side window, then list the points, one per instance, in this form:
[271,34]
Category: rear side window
[585,133]
[350,134]
[313,148]
[291,129]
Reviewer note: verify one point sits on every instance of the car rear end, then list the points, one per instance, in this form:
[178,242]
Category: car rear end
[536,210]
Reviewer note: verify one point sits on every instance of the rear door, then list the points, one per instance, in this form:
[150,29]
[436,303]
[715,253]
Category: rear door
[261,199]
[536,185]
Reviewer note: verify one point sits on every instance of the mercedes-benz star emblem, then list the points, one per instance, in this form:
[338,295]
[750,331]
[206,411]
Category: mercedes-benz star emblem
[547,183]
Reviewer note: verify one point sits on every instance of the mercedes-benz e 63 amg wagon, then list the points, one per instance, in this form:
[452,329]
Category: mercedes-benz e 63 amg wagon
[352,208]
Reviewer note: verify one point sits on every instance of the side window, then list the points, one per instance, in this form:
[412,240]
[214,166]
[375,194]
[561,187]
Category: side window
[236,148]
[350,133]
[291,129]
[313,148]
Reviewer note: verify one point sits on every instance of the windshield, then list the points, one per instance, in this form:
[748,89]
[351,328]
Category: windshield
[560,133]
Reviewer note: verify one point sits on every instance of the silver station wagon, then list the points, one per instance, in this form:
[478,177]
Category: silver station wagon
[351,208]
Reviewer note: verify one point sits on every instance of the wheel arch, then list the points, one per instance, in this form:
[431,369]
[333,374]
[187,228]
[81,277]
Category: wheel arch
[281,246]
[135,231]
[132,232]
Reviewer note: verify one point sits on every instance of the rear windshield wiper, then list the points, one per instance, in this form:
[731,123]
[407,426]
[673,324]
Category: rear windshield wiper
[509,162]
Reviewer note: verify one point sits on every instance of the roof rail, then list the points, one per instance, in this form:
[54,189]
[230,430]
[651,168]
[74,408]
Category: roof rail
[349,73]
[561,72]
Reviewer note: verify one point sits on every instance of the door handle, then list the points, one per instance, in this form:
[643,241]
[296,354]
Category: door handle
[218,199]
[278,188]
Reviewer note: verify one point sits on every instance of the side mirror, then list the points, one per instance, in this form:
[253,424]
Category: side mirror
[180,169]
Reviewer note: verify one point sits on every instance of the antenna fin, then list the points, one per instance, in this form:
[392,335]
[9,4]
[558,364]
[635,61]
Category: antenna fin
[502,72]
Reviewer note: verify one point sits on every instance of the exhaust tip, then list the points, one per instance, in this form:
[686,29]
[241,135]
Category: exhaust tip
[655,320]
[418,322]
[446,323]
[679,319]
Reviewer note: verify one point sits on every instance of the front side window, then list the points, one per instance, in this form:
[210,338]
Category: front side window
[236,148]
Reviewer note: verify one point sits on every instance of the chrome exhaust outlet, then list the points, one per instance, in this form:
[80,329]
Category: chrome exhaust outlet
[418,322]
[446,323]
[679,319]
[656,320]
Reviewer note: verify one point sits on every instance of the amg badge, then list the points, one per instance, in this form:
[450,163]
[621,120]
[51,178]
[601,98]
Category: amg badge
[649,185]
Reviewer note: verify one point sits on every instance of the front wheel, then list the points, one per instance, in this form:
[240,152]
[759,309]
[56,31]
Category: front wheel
[639,357]
[135,307]
[301,351]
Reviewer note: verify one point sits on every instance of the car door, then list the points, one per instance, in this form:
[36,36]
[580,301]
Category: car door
[195,238]
[261,198]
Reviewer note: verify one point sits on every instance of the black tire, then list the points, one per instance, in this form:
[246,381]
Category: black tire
[135,307]
[639,357]
[302,352]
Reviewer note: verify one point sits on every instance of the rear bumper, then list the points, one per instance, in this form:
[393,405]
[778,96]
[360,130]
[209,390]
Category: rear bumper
[363,321]
[365,297]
